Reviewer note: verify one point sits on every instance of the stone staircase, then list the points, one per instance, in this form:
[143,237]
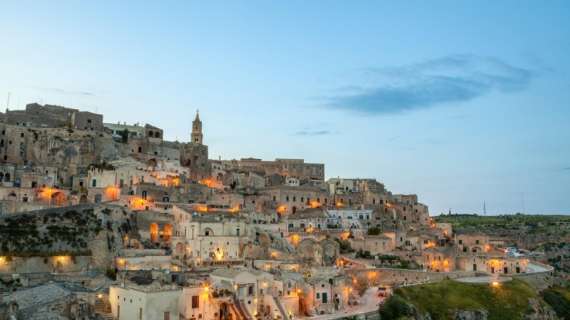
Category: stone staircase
[103,309]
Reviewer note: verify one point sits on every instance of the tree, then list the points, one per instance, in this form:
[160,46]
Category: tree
[395,308]
[124,136]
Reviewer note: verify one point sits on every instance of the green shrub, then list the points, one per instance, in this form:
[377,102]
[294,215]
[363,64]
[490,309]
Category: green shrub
[558,299]
[395,308]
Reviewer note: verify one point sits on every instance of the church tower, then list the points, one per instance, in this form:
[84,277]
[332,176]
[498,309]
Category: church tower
[194,154]
[197,135]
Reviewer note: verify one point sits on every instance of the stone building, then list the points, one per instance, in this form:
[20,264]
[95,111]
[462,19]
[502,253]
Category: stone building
[51,116]
[289,200]
[194,154]
[145,302]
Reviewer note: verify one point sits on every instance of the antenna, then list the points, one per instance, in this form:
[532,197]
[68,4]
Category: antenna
[522,202]
[8,100]
[484,208]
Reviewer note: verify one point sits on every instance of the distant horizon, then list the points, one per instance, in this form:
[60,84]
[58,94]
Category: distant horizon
[459,112]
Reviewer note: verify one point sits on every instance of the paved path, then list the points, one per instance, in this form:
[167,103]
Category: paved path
[368,303]
[483,279]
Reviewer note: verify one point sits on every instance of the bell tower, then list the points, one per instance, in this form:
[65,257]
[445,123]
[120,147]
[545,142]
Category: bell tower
[197,135]
[194,154]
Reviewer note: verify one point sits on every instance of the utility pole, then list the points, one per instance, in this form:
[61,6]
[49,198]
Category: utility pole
[484,208]
[8,100]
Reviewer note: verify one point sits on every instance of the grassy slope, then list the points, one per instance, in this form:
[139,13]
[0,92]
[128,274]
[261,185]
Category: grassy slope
[559,299]
[509,301]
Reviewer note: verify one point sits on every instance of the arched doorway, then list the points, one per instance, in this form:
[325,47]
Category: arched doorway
[154,232]
[179,249]
[58,198]
[167,232]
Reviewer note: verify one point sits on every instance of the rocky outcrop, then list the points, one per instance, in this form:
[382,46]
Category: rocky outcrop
[471,314]
[540,311]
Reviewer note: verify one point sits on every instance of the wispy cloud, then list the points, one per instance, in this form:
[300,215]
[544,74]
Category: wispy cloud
[449,79]
[313,132]
[566,169]
[66,92]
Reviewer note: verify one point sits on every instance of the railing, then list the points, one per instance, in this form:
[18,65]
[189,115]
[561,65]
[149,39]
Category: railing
[280,307]
[242,310]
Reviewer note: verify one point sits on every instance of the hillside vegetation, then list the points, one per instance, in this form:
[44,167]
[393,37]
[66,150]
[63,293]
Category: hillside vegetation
[442,300]
[559,299]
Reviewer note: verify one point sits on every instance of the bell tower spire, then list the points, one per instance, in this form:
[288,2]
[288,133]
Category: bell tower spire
[197,135]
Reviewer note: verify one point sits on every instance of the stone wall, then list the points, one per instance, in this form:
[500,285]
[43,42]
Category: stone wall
[60,264]
[391,276]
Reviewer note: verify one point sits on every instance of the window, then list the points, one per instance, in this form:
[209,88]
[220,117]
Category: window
[195,302]
[166,315]
[94,183]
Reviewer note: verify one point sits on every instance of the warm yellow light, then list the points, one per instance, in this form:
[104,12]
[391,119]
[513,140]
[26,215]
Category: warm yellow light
[345,235]
[112,193]
[495,284]
[211,183]
[100,296]
[202,208]
[206,289]
[314,204]
[309,229]
[219,254]
[2,260]
[62,259]
[282,209]
[138,203]
[295,238]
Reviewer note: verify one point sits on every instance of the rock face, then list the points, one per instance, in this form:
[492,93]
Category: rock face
[471,315]
[540,311]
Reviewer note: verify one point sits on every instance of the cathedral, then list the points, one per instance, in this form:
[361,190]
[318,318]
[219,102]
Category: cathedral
[194,155]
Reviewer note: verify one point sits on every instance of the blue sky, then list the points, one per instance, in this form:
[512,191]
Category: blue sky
[459,102]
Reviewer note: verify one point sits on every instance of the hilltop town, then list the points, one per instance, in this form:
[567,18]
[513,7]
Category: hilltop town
[110,221]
